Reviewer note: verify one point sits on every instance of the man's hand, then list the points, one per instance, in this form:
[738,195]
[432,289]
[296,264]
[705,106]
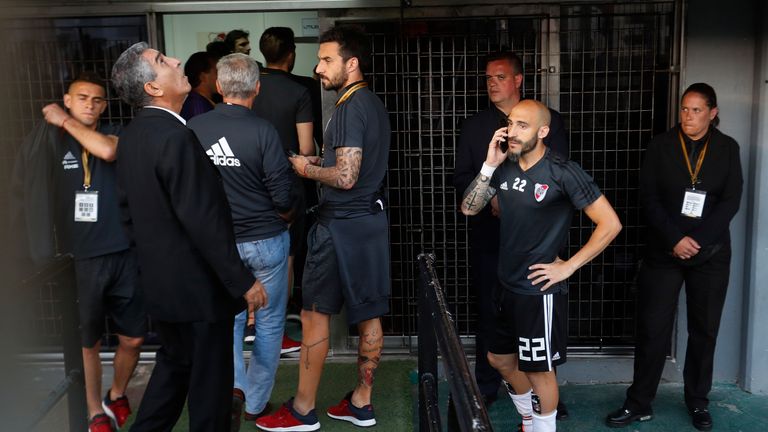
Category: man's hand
[555,272]
[300,163]
[55,114]
[686,248]
[256,296]
[495,156]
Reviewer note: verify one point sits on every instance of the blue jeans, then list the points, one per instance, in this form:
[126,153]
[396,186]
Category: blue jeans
[267,259]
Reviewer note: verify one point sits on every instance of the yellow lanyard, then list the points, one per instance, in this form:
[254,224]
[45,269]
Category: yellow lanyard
[86,170]
[694,174]
[349,92]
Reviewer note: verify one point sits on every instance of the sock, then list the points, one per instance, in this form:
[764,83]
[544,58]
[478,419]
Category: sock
[545,423]
[524,407]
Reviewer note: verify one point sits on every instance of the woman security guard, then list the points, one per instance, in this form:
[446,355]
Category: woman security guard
[690,189]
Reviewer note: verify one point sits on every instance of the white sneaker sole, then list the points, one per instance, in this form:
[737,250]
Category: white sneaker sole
[301,428]
[354,420]
[289,350]
[110,414]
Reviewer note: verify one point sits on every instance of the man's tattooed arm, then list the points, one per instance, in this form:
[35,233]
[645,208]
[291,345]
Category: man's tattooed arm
[344,174]
[477,195]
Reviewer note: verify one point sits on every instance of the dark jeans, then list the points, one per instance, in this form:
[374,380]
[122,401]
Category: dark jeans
[660,280]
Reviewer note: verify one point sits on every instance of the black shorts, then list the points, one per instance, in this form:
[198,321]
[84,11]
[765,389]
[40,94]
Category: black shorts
[296,230]
[535,327]
[107,285]
[322,288]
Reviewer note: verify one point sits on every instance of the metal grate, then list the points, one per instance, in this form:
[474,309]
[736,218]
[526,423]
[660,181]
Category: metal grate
[46,55]
[613,74]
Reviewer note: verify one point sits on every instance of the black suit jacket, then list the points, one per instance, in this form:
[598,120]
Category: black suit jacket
[665,177]
[177,215]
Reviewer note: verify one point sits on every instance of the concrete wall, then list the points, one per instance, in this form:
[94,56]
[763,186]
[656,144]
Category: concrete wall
[720,49]
[185,34]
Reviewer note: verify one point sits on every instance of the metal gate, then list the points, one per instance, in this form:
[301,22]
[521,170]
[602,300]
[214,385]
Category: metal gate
[607,68]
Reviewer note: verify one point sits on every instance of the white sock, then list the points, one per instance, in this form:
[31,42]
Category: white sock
[545,423]
[525,408]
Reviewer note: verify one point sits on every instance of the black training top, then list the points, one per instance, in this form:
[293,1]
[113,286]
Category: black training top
[471,151]
[255,170]
[283,102]
[536,207]
[88,239]
[360,121]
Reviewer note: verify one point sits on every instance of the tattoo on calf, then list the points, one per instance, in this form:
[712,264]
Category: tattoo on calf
[366,367]
[308,347]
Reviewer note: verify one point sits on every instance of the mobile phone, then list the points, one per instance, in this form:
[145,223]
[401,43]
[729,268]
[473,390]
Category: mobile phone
[290,153]
[503,143]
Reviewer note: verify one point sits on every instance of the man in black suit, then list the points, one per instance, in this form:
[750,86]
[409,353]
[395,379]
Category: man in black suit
[178,217]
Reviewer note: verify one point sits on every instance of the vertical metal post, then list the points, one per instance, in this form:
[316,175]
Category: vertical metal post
[73,355]
[427,357]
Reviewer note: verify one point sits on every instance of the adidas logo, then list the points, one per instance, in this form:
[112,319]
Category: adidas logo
[556,356]
[504,186]
[69,161]
[221,154]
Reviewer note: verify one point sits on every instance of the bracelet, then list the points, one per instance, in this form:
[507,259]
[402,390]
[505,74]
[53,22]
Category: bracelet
[304,170]
[65,121]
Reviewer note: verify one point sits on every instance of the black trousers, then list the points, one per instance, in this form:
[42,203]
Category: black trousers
[485,281]
[660,280]
[194,364]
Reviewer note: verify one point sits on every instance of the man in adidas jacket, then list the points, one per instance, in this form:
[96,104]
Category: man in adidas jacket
[257,178]
[176,211]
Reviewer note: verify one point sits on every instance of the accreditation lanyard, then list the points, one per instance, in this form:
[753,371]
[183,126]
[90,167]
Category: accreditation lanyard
[693,200]
[86,201]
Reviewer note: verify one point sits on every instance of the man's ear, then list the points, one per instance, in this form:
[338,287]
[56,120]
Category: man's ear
[218,88]
[152,89]
[518,81]
[543,132]
[352,64]
[67,101]
[258,87]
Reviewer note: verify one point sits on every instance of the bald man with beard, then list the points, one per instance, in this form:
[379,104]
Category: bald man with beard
[538,191]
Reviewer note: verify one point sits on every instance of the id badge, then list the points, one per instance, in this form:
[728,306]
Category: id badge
[86,206]
[693,203]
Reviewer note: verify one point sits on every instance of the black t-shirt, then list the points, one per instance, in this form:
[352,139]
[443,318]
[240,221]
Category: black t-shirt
[471,151]
[255,170]
[360,121]
[536,207]
[283,102]
[87,239]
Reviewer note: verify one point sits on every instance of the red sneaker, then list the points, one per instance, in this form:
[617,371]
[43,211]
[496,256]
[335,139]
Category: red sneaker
[363,417]
[289,345]
[100,423]
[286,419]
[118,410]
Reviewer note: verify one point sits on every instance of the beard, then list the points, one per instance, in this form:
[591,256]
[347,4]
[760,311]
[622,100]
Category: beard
[334,83]
[525,147]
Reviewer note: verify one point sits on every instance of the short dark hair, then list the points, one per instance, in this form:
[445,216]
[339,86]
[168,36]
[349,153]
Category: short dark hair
[708,93]
[217,48]
[512,58]
[199,62]
[276,44]
[233,36]
[353,42]
[89,77]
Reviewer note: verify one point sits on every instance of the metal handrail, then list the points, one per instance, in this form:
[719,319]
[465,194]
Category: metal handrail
[437,328]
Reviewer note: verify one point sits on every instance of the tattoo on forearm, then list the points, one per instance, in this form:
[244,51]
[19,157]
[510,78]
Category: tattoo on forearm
[306,349]
[478,194]
[348,161]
